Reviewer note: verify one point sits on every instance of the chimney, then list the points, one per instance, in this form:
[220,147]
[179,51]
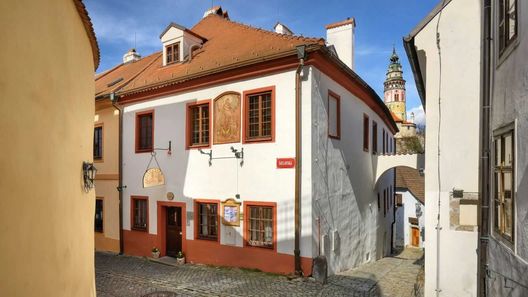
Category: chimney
[412,117]
[216,10]
[282,29]
[341,36]
[131,56]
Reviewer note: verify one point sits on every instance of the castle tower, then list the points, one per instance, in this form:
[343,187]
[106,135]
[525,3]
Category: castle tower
[395,87]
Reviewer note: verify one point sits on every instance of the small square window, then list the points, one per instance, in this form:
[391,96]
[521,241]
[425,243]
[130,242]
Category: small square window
[139,207]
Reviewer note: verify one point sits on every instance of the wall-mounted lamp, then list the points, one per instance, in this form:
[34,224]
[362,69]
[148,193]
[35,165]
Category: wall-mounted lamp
[89,172]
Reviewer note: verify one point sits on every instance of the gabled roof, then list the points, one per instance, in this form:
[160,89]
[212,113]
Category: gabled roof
[174,25]
[114,79]
[409,178]
[229,44]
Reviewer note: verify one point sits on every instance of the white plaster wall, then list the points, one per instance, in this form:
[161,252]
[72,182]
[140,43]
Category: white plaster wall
[406,211]
[457,165]
[189,176]
[510,105]
[344,190]
[176,35]
[342,38]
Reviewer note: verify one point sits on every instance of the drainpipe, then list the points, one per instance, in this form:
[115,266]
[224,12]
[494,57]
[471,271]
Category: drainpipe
[301,55]
[484,166]
[120,187]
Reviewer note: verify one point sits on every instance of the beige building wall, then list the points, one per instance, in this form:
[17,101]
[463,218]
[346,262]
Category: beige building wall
[107,178]
[46,122]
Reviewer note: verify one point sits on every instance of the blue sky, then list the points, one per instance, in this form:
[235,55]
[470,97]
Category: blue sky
[380,24]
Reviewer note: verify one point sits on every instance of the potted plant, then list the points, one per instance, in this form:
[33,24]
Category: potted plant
[180,258]
[155,252]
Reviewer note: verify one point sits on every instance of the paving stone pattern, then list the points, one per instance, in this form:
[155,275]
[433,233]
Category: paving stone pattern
[125,276]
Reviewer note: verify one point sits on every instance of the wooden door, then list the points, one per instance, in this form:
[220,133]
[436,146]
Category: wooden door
[174,231]
[415,236]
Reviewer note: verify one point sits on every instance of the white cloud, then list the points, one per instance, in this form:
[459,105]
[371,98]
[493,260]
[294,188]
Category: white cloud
[419,115]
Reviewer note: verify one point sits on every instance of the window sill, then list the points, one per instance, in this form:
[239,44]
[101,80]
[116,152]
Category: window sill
[139,229]
[198,146]
[257,140]
[271,248]
[207,239]
[501,57]
[140,151]
[337,137]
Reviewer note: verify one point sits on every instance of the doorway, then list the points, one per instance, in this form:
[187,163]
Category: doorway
[415,237]
[173,231]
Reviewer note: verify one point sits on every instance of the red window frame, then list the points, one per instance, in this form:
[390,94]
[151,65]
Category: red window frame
[98,143]
[374,138]
[332,95]
[247,214]
[197,218]
[246,138]
[189,124]
[133,226]
[139,115]
[366,132]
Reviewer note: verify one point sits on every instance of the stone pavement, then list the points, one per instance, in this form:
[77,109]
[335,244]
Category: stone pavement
[118,276]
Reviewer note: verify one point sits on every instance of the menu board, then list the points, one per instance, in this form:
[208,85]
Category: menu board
[231,212]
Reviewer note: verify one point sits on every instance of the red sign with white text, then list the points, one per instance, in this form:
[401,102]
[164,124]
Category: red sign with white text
[285,162]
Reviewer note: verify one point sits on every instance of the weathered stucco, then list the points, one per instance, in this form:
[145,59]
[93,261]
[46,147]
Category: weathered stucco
[508,265]
[452,95]
[344,195]
[46,123]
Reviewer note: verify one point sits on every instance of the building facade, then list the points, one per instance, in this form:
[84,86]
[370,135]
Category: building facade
[450,94]
[218,121]
[47,123]
[506,252]
[410,208]
[106,159]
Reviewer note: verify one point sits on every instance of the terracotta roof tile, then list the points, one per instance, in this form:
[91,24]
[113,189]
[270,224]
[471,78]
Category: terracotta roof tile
[219,52]
[117,77]
[412,180]
[395,117]
[341,23]
[88,27]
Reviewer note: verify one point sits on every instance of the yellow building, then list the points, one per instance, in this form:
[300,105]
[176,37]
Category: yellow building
[106,159]
[48,56]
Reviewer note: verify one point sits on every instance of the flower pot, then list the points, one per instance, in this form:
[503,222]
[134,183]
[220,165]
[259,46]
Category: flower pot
[180,261]
[155,255]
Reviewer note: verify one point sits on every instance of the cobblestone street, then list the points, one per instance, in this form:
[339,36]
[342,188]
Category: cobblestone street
[133,276]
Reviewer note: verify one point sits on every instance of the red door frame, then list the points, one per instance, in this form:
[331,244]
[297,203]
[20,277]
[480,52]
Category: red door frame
[162,225]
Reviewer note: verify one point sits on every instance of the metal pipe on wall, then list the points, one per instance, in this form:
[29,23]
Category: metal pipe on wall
[484,150]
[120,185]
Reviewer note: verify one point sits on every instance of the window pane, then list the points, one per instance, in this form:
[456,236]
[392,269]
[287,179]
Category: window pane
[508,217]
[98,215]
[508,147]
[512,22]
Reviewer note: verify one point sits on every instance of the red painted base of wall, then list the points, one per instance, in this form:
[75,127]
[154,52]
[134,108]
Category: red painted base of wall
[208,252]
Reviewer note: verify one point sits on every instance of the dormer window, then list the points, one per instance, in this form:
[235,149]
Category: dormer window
[173,53]
[178,44]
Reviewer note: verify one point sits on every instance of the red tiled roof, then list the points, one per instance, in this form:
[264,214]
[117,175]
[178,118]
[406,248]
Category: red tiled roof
[412,180]
[341,23]
[395,117]
[228,44]
[117,77]
[88,27]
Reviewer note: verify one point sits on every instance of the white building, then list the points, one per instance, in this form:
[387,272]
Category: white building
[410,208]
[224,86]
[447,77]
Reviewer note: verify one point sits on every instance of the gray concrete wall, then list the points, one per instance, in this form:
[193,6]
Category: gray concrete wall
[508,264]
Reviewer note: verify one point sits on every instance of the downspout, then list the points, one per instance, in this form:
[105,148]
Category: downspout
[120,187]
[484,166]
[301,55]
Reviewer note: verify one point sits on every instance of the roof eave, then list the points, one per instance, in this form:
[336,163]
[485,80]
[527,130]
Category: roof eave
[369,89]
[412,55]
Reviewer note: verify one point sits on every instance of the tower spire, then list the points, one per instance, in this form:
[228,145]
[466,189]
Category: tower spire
[395,87]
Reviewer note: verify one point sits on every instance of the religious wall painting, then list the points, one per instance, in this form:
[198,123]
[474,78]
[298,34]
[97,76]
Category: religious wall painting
[227,118]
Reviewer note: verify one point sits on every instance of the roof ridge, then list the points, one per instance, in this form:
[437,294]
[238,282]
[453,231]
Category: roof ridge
[285,36]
